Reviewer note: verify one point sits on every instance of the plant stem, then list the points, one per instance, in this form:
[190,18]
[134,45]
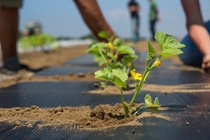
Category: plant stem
[134,114]
[124,104]
[122,96]
[140,84]
[103,57]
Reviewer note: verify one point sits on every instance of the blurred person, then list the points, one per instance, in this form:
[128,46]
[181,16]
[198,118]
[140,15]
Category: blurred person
[153,18]
[9,18]
[135,19]
[32,28]
[197,42]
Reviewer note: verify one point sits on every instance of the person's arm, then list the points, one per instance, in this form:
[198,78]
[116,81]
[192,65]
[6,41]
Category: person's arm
[197,30]
[93,17]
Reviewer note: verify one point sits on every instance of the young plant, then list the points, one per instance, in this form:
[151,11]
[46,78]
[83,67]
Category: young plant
[35,40]
[113,53]
[169,47]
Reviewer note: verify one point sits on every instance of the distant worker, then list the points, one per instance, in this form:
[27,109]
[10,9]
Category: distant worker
[153,18]
[135,19]
[32,28]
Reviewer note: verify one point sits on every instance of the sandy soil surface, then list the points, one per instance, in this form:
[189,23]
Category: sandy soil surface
[102,116]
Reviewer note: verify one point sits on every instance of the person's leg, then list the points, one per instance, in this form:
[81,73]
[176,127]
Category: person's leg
[9,32]
[138,26]
[93,17]
[192,55]
[134,29]
[133,35]
[152,29]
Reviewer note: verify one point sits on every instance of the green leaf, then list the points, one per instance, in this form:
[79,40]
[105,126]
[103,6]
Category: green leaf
[128,58]
[169,45]
[121,74]
[156,102]
[148,100]
[103,34]
[35,40]
[125,49]
[94,48]
[100,60]
[170,52]
[167,41]
[117,42]
[103,74]
[149,103]
[116,76]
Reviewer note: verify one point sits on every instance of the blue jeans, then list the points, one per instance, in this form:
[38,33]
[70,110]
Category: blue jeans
[152,28]
[192,55]
[135,29]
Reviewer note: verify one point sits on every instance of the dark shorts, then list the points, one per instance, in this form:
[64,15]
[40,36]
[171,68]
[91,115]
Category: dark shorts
[11,3]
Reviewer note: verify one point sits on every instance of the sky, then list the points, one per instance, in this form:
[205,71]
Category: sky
[62,18]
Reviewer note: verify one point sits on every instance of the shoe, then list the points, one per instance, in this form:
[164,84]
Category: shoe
[6,74]
[25,67]
[22,67]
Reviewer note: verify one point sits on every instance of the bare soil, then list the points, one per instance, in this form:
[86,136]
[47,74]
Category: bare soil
[102,116]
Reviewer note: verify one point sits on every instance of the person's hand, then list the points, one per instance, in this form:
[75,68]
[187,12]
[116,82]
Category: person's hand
[206,63]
